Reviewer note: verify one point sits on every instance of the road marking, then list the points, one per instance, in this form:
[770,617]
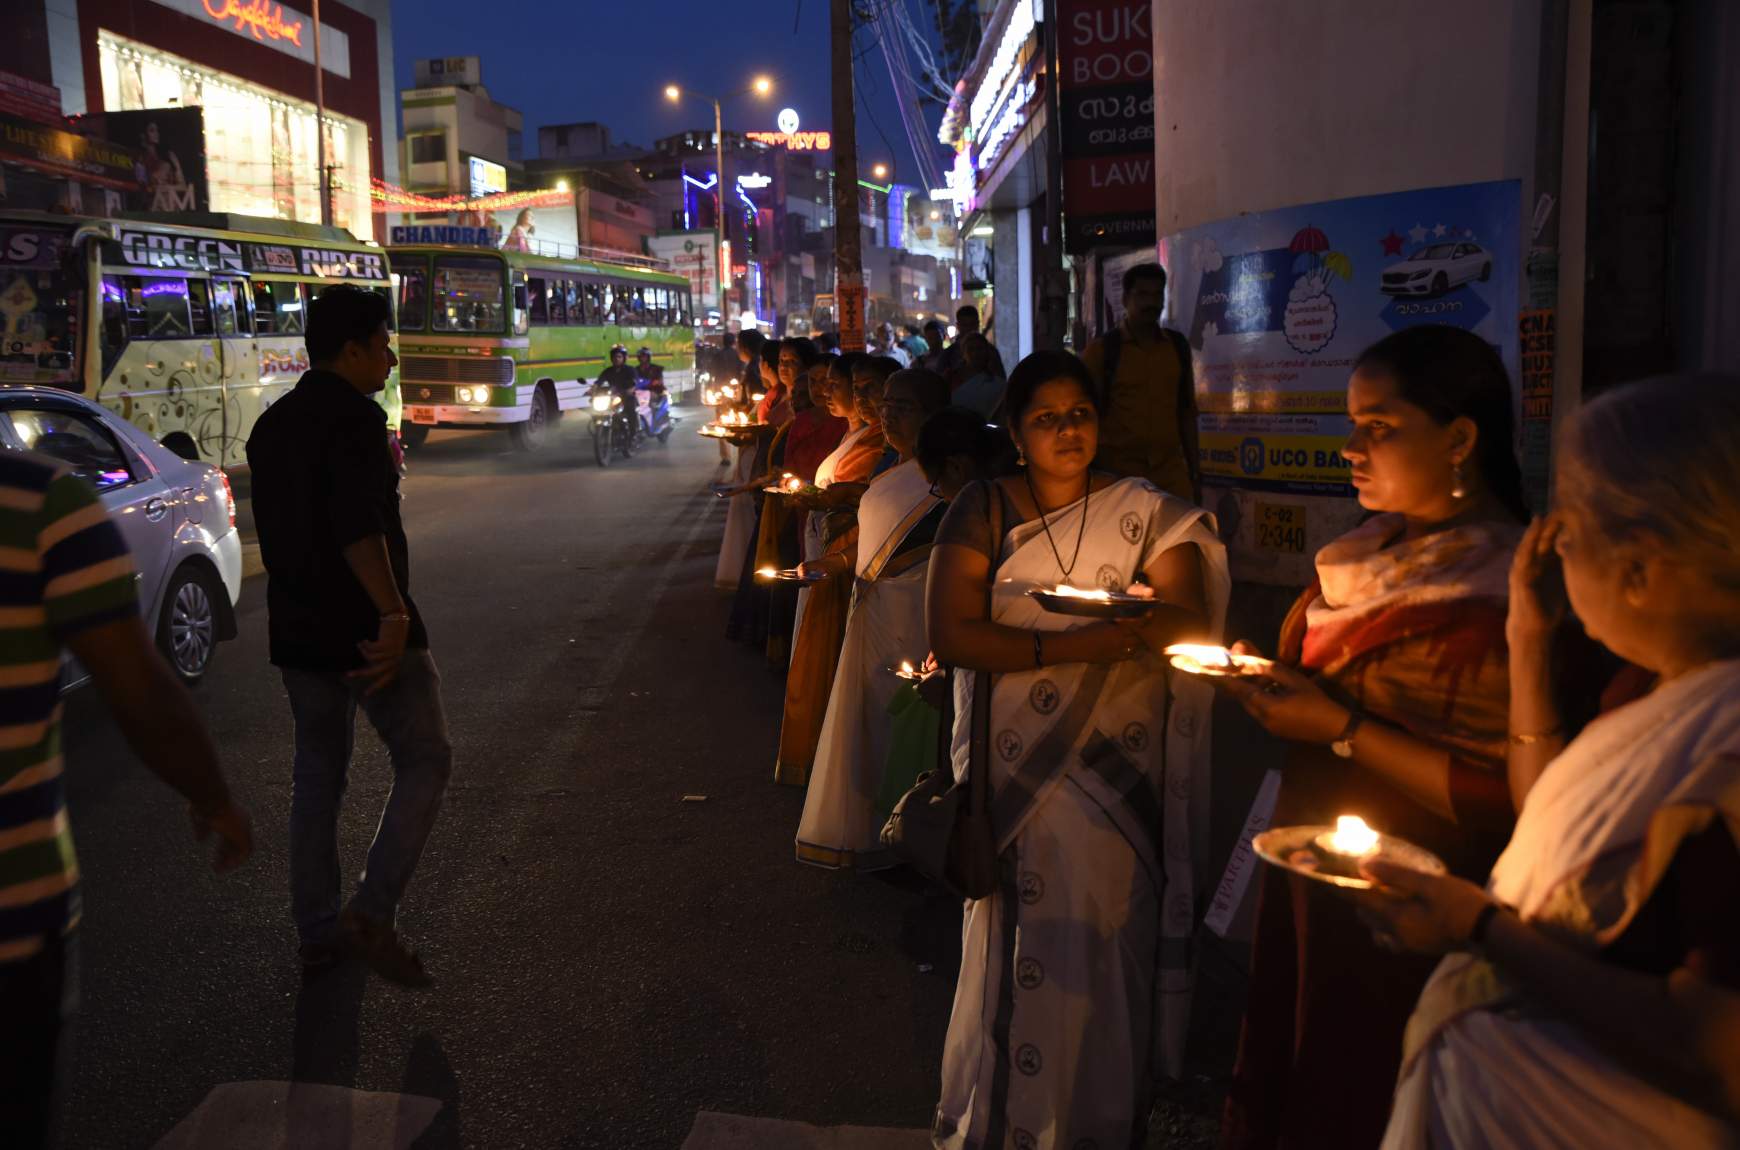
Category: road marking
[266,1115]
[715,1131]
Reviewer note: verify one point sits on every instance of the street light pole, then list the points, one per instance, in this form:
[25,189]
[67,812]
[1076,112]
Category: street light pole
[724,272]
[848,253]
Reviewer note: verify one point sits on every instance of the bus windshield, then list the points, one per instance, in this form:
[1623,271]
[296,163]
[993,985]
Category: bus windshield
[40,303]
[469,294]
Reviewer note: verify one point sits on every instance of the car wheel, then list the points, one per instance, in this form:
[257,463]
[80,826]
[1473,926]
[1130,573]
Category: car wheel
[187,628]
[530,435]
[413,434]
[1440,284]
[183,445]
[1485,272]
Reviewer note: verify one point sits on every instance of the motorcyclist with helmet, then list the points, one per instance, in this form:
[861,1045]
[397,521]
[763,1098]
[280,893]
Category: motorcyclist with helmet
[620,379]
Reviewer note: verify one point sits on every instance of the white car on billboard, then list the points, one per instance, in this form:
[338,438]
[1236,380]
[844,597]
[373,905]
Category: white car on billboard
[1436,268]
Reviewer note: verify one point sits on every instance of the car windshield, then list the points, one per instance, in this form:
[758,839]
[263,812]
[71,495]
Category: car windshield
[469,294]
[40,303]
[1435,252]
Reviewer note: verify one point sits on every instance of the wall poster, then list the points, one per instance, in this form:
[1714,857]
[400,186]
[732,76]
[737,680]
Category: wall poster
[1279,304]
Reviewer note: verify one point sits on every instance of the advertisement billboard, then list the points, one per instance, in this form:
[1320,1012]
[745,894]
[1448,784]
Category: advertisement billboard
[690,254]
[1279,304]
[169,144]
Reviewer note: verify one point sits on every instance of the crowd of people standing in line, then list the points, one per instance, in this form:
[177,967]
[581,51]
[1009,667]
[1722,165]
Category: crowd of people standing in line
[1549,705]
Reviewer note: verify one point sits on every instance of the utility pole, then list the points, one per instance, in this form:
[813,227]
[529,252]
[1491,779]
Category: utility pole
[722,261]
[320,125]
[848,256]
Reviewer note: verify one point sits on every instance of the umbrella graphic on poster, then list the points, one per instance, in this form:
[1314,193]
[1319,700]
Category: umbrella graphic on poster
[1309,321]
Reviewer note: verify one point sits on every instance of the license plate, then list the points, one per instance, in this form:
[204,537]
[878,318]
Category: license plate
[1281,527]
[421,414]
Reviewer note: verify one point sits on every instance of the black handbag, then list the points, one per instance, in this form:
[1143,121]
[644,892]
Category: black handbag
[942,828]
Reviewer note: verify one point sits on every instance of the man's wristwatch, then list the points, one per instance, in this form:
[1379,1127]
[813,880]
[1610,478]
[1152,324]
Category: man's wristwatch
[1343,744]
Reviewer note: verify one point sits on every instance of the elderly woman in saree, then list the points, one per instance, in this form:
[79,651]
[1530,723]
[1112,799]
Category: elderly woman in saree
[1074,982]
[821,626]
[1392,689]
[897,521]
[1569,1013]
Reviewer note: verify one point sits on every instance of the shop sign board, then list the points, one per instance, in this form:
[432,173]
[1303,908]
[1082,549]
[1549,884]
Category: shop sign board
[67,154]
[271,25]
[453,234]
[462,71]
[1278,305]
[1106,98]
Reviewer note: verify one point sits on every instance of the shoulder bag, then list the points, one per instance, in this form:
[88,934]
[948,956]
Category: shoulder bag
[942,828]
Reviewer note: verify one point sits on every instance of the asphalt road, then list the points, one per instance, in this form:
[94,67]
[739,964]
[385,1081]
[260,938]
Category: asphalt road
[609,958]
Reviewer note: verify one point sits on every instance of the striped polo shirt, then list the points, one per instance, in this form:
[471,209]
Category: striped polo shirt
[63,568]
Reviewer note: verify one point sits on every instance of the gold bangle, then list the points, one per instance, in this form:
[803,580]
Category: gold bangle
[1542,737]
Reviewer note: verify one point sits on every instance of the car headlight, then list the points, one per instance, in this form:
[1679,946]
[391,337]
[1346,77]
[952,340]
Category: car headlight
[1420,274]
[601,402]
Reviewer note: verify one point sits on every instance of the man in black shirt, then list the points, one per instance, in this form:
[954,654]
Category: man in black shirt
[345,632]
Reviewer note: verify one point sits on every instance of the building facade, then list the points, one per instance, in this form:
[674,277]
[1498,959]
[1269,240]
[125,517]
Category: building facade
[135,72]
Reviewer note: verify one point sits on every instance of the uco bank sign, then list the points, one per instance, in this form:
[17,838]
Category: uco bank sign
[1106,95]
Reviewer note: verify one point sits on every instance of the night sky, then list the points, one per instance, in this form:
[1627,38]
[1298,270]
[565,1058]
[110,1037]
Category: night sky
[610,61]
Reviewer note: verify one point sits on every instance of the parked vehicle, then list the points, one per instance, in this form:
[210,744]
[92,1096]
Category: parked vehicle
[1436,268]
[508,339]
[186,326]
[177,515]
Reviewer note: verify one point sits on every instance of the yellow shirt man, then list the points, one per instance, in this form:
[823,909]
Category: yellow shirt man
[1148,412]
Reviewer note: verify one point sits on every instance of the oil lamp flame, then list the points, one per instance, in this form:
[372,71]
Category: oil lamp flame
[1080,593]
[1351,837]
[767,572]
[906,667]
[1204,655]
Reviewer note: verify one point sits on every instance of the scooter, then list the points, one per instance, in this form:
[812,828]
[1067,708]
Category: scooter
[656,418]
[612,430]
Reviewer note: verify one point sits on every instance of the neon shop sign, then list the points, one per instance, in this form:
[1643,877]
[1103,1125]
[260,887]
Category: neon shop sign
[260,18]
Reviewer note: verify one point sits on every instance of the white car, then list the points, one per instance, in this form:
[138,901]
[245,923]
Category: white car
[178,516]
[1436,268]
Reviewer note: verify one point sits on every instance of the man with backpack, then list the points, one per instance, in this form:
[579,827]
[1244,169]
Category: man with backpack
[1147,392]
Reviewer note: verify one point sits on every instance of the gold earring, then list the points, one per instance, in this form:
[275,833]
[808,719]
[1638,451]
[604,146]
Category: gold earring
[1457,490]
[1020,456]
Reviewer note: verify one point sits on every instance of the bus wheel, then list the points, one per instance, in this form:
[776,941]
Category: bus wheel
[413,434]
[530,435]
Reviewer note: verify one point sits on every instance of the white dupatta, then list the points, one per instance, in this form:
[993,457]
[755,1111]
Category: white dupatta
[1596,833]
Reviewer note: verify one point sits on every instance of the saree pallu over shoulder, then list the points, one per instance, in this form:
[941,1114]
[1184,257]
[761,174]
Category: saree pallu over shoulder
[1075,975]
[1484,1065]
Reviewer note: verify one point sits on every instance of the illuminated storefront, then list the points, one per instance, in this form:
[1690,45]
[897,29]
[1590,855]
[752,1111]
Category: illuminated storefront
[234,81]
[260,147]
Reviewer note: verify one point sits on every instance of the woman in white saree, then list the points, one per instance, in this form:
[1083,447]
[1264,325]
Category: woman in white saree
[1572,1012]
[1075,974]
[897,520]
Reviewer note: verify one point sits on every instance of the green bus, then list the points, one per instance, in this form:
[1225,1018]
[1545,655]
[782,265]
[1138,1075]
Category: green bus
[498,338]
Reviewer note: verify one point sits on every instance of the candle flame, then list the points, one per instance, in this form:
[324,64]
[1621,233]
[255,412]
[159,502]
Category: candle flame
[1353,837]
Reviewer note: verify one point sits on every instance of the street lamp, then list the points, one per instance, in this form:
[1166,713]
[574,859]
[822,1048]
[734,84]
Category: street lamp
[880,171]
[761,86]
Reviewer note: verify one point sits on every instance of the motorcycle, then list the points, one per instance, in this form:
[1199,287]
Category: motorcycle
[612,429]
[656,418]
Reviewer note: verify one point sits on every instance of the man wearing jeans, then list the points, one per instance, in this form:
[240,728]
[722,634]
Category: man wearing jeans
[344,631]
